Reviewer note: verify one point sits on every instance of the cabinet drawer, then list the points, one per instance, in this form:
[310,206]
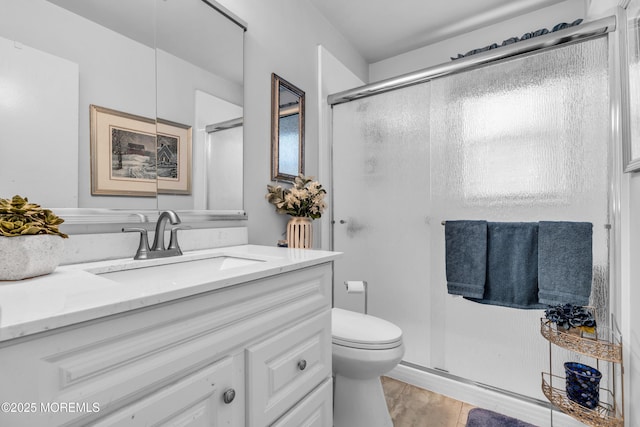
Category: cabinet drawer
[286,367]
[316,410]
[197,400]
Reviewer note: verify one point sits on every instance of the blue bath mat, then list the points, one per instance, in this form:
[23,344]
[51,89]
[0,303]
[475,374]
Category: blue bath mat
[484,418]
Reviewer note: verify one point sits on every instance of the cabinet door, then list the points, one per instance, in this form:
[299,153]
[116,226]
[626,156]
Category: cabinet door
[195,401]
[316,410]
[284,368]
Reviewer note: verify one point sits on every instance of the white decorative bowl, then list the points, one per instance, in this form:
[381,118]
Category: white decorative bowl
[22,257]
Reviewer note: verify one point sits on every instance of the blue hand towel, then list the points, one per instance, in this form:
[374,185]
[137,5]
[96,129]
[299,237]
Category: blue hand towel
[565,259]
[466,257]
[512,265]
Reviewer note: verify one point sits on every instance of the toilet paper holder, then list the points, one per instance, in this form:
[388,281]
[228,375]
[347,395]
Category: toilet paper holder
[358,287]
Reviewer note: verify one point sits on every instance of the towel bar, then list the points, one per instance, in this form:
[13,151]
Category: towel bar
[607,226]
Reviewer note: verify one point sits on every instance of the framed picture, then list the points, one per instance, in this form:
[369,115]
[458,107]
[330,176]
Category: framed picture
[174,157]
[137,156]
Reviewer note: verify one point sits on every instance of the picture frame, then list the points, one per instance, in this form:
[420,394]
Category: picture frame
[174,175]
[137,156]
[287,130]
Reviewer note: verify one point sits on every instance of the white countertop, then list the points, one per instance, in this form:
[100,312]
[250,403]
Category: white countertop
[78,293]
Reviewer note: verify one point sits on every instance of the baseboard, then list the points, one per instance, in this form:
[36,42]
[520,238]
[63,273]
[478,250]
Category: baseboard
[476,395]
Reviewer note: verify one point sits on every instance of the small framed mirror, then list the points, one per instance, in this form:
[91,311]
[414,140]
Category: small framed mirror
[287,130]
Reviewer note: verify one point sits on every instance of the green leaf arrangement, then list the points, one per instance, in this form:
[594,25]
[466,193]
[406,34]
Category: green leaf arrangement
[18,217]
[304,199]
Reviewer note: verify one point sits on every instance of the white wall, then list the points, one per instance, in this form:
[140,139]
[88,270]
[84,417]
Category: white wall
[441,52]
[630,294]
[282,38]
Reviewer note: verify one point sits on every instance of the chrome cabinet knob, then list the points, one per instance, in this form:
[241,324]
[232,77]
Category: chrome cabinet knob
[302,365]
[228,396]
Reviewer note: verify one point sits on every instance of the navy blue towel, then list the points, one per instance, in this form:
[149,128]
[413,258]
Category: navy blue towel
[512,265]
[466,257]
[565,259]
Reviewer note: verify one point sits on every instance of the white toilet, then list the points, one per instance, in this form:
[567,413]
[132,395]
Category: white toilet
[364,348]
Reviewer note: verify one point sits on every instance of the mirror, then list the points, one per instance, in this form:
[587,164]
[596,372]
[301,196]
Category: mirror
[287,130]
[630,116]
[200,83]
[177,63]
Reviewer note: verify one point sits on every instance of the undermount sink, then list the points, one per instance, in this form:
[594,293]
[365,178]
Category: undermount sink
[179,272]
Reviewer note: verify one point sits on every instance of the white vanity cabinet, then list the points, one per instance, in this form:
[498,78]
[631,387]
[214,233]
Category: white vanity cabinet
[253,354]
[196,400]
[286,366]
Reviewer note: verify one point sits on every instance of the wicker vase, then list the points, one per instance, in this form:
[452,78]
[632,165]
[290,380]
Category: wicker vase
[300,232]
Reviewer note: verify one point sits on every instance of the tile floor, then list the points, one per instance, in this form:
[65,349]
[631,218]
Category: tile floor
[411,406]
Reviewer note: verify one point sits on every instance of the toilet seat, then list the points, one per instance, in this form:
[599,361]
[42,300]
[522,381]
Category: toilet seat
[362,331]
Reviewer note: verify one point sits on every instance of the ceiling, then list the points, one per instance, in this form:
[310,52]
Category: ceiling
[380,29]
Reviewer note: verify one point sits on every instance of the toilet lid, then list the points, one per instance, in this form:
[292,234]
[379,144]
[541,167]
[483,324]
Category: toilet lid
[358,330]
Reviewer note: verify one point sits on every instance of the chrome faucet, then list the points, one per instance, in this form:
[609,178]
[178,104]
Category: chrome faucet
[158,240]
[158,250]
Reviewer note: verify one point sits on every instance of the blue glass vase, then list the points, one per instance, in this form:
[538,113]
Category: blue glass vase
[583,384]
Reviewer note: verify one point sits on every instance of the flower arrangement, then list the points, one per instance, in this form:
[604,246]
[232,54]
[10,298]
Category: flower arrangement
[568,316]
[304,199]
[18,217]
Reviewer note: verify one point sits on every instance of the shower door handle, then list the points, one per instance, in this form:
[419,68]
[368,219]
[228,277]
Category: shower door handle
[342,221]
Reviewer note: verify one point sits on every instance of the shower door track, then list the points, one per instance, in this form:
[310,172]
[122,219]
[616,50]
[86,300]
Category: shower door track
[571,34]
[462,380]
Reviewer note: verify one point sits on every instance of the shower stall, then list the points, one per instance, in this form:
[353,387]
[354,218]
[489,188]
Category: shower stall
[508,136]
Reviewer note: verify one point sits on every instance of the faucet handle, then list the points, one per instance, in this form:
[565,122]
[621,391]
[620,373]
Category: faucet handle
[173,241]
[143,246]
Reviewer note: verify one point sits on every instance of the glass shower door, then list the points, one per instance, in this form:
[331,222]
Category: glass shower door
[522,140]
[525,139]
[381,209]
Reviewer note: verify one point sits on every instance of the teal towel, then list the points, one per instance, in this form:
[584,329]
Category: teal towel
[466,257]
[565,258]
[512,265]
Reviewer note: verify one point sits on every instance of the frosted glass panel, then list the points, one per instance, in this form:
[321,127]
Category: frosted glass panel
[514,134]
[522,140]
[380,197]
